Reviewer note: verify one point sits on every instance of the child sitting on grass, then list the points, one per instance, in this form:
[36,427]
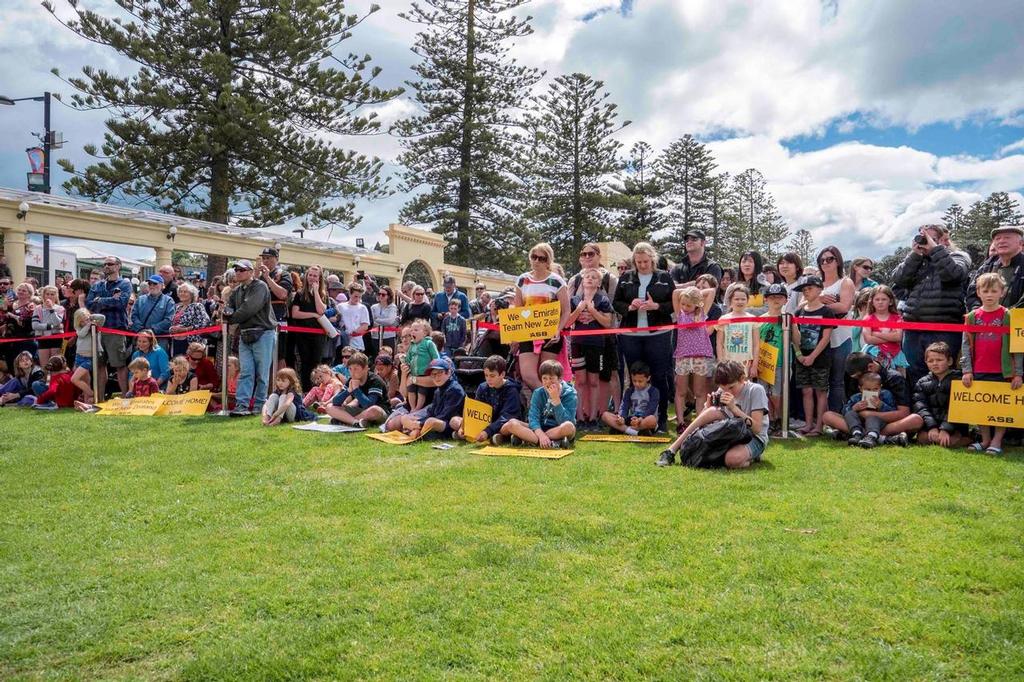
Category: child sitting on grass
[931,400]
[986,356]
[61,392]
[638,413]
[552,416]
[449,398]
[143,384]
[285,403]
[183,379]
[501,393]
[872,399]
[325,385]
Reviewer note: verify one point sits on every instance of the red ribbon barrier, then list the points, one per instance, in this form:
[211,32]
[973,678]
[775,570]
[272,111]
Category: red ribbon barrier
[14,339]
[175,335]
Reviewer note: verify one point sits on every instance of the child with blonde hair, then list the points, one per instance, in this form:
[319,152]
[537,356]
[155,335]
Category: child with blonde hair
[694,356]
[183,379]
[421,353]
[84,321]
[738,340]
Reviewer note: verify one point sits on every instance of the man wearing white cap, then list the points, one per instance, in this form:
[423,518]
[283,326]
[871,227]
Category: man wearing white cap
[1007,259]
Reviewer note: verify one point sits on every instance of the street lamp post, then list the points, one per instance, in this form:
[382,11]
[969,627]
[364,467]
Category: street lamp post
[49,143]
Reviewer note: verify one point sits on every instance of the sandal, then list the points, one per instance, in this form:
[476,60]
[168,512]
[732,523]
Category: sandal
[976,447]
[993,451]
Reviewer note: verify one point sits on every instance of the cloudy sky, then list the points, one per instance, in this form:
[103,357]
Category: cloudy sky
[867,118]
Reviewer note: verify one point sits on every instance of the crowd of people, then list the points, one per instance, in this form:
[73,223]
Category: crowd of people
[687,334]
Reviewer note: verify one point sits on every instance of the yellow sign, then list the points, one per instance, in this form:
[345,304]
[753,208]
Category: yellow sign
[1017,330]
[767,360]
[192,404]
[492,451]
[397,437]
[623,438]
[986,403]
[755,301]
[131,407]
[529,323]
[476,416]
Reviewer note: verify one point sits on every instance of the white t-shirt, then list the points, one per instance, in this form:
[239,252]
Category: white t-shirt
[352,316]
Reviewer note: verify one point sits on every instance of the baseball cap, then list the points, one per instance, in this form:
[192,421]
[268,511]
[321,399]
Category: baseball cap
[270,252]
[242,264]
[775,290]
[443,364]
[384,359]
[155,279]
[811,281]
[1015,229]
[695,233]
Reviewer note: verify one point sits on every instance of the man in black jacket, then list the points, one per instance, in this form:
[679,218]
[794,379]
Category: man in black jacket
[1008,260]
[935,275]
[696,263]
[249,307]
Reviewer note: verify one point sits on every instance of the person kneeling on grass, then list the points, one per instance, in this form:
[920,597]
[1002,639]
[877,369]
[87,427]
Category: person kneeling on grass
[552,416]
[931,400]
[285,403]
[638,413]
[449,397]
[501,393]
[363,399]
[862,410]
[898,422]
[736,397]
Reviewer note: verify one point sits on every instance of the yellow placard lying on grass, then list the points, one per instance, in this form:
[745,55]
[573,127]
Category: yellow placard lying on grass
[538,453]
[767,359]
[397,437]
[192,404]
[529,323]
[476,416]
[986,403]
[623,438]
[131,407]
[1017,330]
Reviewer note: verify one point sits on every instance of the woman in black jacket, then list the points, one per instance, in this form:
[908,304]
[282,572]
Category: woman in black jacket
[643,299]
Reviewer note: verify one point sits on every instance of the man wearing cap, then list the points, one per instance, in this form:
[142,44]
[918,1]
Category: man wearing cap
[249,307]
[154,310]
[109,297]
[696,263]
[442,300]
[279,282]
[1007,259]
[934,276]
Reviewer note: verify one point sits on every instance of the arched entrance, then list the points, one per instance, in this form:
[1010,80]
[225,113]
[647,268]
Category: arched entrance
[419,272]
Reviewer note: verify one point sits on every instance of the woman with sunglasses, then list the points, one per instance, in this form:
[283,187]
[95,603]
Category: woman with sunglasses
[541,285]
[837,295]
[644,299]
[384,314]
[419,309]
[860,271]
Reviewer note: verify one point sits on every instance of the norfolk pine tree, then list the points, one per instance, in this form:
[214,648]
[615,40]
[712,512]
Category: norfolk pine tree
[574,160]
[802,245]
[464,150]
[226,116]
[685,171]
[638,197]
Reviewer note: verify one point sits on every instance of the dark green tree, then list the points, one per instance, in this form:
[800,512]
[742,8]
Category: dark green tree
[885,266]
[639,198]
[464,151]
[717,227]
[685,170]
[226,116]
[999,208]
[802,245]
[575,158]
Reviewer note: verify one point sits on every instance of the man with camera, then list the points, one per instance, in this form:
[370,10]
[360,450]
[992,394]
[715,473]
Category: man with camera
[279,282]
[934,278]
[250,308]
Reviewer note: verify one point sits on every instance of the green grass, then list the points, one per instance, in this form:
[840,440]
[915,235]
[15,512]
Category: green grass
[214,549]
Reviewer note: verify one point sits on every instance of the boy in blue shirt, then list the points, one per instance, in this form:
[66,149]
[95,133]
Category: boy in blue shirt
[502,394]
[552,416]
[638,413]
[874,399]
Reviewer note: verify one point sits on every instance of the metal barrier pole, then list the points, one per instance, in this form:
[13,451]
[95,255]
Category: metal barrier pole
[225,343]
[273,372]
[786,330]
[474,329]
[96,397]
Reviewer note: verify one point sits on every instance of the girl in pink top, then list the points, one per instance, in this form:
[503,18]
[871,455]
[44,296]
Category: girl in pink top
[324,388]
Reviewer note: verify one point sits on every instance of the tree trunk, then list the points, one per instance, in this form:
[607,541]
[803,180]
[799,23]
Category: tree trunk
[462,235]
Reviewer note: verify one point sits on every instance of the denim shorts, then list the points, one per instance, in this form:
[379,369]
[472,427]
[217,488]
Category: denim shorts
[756,448]
[83,361]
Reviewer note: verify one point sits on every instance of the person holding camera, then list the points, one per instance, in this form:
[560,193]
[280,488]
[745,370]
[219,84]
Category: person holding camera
[109,297]
[934,277]
[279,282]
[249,307]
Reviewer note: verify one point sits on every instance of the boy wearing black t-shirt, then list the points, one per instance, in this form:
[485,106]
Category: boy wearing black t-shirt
[813,360]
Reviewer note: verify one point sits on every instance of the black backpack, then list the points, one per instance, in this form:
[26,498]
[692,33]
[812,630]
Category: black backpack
[705,448]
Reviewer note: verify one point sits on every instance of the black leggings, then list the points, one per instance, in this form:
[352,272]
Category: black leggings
[309,349]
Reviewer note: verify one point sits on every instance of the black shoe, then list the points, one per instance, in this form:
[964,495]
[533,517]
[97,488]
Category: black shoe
[840,435]
[667,459]
[498,439]
[854,438]
[869,441]
[900,439]
[240,412]
[515,440]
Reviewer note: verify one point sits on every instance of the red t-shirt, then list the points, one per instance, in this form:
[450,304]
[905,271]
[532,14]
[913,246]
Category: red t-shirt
[145,388]
[988,346]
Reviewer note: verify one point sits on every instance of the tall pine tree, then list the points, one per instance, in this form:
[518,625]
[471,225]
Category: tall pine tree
[802,245]
[227,114]
[575,159]
[685,170]
[639,197]
[464,150]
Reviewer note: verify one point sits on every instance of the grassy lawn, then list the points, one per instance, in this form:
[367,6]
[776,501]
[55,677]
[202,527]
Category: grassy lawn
[215,549]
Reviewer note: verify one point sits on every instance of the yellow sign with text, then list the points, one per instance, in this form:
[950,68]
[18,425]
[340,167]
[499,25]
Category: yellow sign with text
[767,362]
[1017,330]
[529,323]
[537,453]
[986,403]
[131,407]
[397,437]
[476,416]
[192,404]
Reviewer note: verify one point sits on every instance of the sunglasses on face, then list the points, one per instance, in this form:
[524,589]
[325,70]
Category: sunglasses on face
[869,268]
[110,265]
[539,257]
[419,293]
[828,259]
[587,254]
[345,357]
[197,357]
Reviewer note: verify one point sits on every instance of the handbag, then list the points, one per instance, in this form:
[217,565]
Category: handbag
[252,335]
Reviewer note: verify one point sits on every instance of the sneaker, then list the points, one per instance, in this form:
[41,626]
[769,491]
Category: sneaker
[563,443]
[854,438]
[796,424]
[240,412]
[360,424]
[667,458]
[900,439]
[869,441]
[45,406]
[497,439]
[515,440]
